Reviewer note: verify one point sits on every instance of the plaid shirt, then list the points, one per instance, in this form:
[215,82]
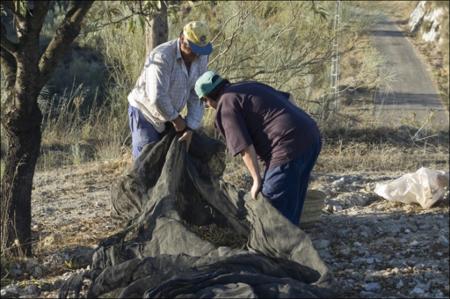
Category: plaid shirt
[165,87]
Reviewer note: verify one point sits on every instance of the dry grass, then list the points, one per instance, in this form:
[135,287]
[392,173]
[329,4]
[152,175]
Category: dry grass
[362,157]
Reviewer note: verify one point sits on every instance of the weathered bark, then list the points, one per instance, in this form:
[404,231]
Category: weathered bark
[24,139]
[157,30]
[26,73]
[21,120]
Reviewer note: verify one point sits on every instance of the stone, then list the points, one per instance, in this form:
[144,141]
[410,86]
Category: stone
[52,239]
[443,240]
[372,286]
[414,243]
[337,208]
[417,291]
[37,272]
[399,284]
[321,244]
[16,271]
[345,251]
[11,291]
[31,291]
[365,294]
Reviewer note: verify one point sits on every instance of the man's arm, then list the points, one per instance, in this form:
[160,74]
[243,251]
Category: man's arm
[157,80]
[251,161]
[195,107]
[195,110]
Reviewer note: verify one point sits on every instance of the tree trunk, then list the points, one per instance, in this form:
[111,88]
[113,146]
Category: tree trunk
[157,30]
[26,72]
[24,140]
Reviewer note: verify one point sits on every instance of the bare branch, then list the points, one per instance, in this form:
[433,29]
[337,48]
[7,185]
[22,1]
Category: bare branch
[101,26]
[66,33]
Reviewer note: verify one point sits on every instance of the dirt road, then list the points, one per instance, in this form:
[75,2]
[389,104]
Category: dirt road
[412,91]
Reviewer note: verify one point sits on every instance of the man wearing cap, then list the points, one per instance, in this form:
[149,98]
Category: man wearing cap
[166,86]
[260,121]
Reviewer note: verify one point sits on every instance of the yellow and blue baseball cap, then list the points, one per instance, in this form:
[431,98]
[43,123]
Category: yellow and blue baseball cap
[197,35]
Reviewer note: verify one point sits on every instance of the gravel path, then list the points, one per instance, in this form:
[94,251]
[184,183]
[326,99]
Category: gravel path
[374,247]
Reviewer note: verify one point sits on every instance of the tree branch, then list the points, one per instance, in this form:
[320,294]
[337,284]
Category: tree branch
[7,44]
[66,33]
[9,66]
[9,5]
[36,16]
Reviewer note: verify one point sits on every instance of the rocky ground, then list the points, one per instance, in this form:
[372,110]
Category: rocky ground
[374,247]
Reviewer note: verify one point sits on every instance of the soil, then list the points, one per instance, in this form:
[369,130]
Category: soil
[374,247]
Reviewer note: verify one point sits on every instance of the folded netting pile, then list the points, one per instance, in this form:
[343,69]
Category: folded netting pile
[187,233]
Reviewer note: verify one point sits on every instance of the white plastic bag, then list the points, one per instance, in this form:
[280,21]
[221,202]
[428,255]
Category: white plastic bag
[425,187]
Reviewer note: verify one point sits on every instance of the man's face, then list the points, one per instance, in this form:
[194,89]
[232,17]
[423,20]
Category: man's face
[188,55]
[210,103]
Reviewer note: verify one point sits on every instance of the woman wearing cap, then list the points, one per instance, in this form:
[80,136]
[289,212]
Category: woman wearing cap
[260,121]
[166,86]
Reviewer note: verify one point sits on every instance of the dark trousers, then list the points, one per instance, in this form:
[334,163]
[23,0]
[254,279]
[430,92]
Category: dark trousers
[285,185]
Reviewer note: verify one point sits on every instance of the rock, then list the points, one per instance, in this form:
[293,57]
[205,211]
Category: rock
[49,210]
[338,183]
[11,291]
[80,257]
[399,284]
[52,240]
[328,208]
[417,291]
[37,272]
[337,208]
[322,244]
[372,286]
[45,287]
[345,251]
[364,234]
[16,271]
[31,291]
[414,243]
[365,294]
[353,199]
[443,240]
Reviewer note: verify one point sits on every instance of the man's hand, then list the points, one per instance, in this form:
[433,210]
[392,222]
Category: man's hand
[250,160]
[256,188]
[179,124]
[187,136]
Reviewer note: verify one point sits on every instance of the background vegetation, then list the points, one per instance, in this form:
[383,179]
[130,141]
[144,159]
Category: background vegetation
[285,44]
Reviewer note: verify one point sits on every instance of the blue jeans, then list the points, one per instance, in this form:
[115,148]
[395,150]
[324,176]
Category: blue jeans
[142,132]
[285,185]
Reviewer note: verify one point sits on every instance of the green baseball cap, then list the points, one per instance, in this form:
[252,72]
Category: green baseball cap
[206,83]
